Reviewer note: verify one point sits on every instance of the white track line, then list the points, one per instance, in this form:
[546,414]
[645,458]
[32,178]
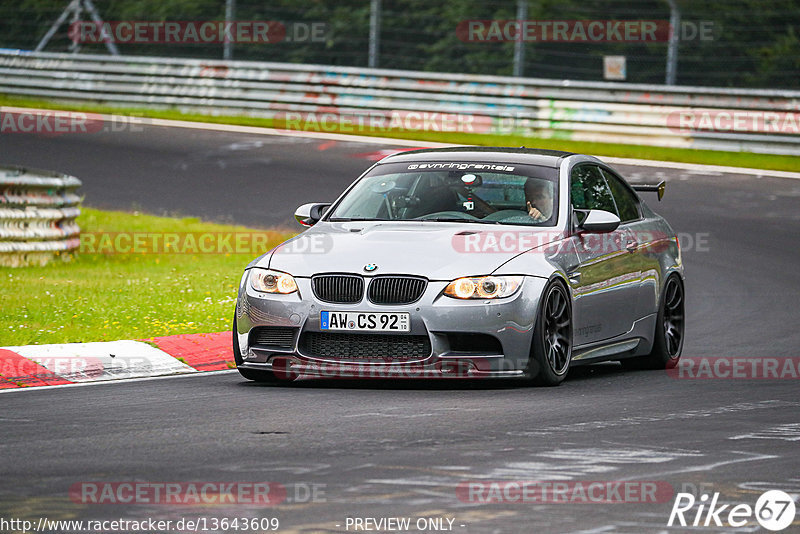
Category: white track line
[126,381]
[144,121]
[402,142]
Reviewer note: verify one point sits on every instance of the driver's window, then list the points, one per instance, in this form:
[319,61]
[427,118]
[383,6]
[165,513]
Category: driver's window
[589,190]
[624,198]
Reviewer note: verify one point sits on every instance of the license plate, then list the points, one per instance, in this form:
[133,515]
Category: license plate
[365,321]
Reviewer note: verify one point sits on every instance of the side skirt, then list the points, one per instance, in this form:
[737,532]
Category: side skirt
[636,342]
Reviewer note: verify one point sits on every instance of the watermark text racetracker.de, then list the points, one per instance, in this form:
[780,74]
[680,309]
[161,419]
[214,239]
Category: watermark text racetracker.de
[253,243]
[688,121]
[197,32]
[376,121]
[582,31]
[736,368]
[243,523]
[75,368]
[51,122]
[564,492]
[196,493]
[546,241]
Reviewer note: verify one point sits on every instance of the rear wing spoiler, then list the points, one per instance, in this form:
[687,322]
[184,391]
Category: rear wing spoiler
[658,188]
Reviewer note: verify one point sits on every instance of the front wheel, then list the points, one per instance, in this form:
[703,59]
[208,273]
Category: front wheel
[551,349]
[257,375]
[670,325]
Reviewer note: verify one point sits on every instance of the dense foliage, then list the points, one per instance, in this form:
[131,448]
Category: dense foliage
[756,43]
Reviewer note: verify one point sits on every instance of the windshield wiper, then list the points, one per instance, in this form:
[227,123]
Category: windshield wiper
[358,219]
[433,219]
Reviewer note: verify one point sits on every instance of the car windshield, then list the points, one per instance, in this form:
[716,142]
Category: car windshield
[454,192]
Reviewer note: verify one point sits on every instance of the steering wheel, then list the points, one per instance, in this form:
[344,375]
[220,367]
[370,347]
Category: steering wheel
[504,214]
[448,215]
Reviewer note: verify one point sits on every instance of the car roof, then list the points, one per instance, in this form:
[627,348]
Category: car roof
[520,155]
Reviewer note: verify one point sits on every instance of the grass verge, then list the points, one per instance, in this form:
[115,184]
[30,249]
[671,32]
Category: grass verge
[707,157]
[105,297]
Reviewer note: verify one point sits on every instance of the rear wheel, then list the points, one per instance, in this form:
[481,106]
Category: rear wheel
[670,325]
[256,375]
[551,349]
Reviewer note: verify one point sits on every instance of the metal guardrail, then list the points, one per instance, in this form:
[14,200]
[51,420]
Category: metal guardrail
[562,109]
[37,216]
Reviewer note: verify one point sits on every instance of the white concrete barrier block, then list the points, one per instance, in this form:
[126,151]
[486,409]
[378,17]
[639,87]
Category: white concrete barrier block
[110,360]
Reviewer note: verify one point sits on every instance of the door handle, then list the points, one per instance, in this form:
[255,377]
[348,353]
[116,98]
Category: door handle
[575,277]
[632,245]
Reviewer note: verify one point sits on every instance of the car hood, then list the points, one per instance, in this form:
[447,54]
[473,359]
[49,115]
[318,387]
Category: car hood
[435,250]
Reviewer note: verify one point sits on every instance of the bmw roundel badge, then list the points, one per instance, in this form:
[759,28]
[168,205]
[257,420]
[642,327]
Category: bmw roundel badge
[370,267]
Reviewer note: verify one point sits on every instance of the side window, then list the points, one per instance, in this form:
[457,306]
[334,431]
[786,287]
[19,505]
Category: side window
[626,201]
[589,190]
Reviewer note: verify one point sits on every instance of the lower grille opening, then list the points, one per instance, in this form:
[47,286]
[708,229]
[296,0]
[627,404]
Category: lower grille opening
[387,347]
[272,336]
[474,343]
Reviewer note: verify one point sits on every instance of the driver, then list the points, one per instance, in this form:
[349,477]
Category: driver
[539,199]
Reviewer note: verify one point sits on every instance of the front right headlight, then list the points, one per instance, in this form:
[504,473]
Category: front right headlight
[270,281]
[483,287]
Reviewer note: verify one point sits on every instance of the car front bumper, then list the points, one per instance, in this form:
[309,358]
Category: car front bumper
[444,320]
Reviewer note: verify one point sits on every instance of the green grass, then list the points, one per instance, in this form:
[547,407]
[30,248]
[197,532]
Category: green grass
[104,297]
[709,157]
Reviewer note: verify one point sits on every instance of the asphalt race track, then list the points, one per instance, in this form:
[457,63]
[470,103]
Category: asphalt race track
[382,449]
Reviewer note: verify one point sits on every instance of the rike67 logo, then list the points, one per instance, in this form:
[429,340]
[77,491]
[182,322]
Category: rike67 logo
[774,510]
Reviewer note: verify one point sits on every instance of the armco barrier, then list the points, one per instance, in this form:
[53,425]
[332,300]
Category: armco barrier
[37,216]
[690,117]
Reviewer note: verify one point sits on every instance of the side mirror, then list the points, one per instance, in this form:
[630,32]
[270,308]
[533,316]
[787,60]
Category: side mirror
[600,222]
[310,214]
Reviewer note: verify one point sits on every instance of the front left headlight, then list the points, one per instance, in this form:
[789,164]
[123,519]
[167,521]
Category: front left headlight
[270,281]
[483,287]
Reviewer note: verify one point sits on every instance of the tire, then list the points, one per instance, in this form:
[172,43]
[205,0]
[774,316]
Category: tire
[551,348]
[669,333]
[262,377]
[256,375]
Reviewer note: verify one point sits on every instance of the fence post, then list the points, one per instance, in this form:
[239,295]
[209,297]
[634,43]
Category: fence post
[519,45]
[374,33]
[674,39]
[230,10]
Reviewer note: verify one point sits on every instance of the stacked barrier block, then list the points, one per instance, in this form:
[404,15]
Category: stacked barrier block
[37,216]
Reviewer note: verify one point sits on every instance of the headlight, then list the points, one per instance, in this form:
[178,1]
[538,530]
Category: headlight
[270,281]
[483,287]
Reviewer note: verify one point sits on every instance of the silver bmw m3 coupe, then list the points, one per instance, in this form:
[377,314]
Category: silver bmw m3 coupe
[469,263]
